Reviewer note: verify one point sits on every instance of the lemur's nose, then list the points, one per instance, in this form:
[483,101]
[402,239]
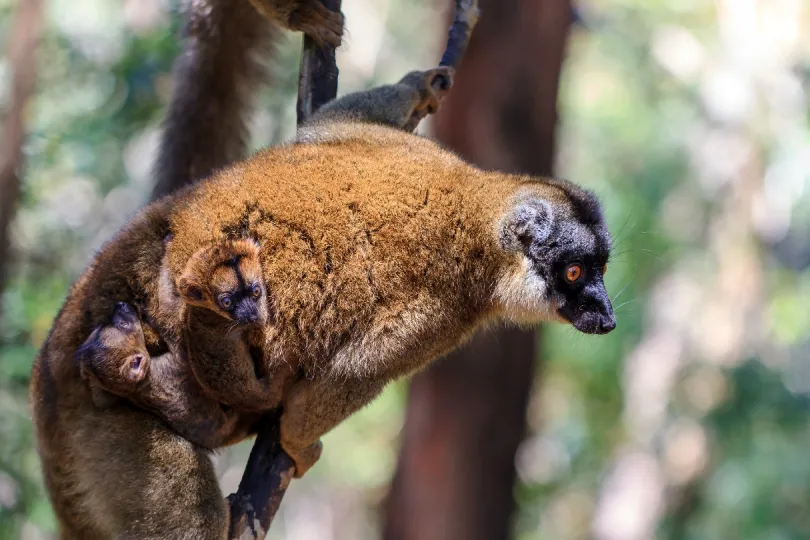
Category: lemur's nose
[606,324]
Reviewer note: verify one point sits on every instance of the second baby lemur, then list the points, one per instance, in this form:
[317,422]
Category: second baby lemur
[116,364]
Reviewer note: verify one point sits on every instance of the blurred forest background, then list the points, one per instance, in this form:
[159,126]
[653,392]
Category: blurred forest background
[688,117]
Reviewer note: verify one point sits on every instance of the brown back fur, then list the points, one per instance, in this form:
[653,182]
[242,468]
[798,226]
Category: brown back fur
[372,228]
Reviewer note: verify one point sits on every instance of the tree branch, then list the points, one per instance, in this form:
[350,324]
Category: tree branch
[267,475]
[317,75]
[21,54]
[464,21]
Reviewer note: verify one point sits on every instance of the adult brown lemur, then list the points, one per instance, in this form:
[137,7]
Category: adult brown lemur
[380,252]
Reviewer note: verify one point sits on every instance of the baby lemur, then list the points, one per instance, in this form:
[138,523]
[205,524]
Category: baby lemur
[116,364]
[224,317]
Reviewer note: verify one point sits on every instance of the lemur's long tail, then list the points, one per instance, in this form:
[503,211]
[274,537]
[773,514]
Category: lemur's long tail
[222,63]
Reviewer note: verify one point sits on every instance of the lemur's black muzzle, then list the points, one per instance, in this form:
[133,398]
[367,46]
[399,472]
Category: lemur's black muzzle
[592,313]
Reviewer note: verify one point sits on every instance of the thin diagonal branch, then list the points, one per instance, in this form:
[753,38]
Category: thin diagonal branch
[318,74]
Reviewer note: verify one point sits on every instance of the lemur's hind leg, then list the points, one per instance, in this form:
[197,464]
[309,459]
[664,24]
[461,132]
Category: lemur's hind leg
[402,105]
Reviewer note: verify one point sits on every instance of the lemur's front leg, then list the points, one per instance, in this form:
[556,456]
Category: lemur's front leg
[313,407]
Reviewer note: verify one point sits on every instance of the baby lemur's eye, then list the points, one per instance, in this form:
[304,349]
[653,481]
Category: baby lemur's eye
[225,301]
[573,272]
[256,291]
[124,325]
[604,270]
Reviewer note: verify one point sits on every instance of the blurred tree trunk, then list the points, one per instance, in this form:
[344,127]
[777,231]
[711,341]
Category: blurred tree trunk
[21,55]
[466,414]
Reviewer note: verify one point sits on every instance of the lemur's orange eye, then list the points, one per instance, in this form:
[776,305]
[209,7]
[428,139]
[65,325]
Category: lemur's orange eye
[573,272]
[257,291]
[604,270]
[225,301]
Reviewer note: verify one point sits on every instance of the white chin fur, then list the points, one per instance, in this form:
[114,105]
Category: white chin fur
[521,296]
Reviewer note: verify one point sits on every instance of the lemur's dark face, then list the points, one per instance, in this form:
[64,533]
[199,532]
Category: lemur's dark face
[573,263]
[237,289]
[566,253]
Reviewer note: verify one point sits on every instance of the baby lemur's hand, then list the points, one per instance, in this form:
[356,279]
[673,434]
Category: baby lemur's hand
[432,86]
[308,16]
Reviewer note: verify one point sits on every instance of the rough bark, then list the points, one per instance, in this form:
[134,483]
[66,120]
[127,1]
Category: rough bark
[266,478]
[466,414]
[21,54]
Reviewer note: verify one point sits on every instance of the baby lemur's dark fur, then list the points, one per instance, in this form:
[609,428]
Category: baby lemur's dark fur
[116,364]
[119,471]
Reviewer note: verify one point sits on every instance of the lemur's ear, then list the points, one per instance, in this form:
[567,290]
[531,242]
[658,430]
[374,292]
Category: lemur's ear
[189,290]
[188,284]
[135,368]
[89,345]
[528,223]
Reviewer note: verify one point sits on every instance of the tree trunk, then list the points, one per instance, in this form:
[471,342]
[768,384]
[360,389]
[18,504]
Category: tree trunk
[466,414]
[21,55]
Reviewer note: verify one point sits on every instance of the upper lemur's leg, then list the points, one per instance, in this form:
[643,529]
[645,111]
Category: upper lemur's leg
[313,407]
[401,105]
[308,16]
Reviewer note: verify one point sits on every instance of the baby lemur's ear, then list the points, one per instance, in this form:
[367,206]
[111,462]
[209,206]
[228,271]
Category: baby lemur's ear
[135,368]
[88,346]
[189,284]
[527,223]
[189,289]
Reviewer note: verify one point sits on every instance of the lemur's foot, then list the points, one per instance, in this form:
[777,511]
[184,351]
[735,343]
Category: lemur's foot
[304,458]
[318,22]
[310,17]
[432,86]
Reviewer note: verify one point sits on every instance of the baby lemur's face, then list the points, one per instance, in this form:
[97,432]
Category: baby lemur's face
[564,247]
[115,356]
[227,279]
